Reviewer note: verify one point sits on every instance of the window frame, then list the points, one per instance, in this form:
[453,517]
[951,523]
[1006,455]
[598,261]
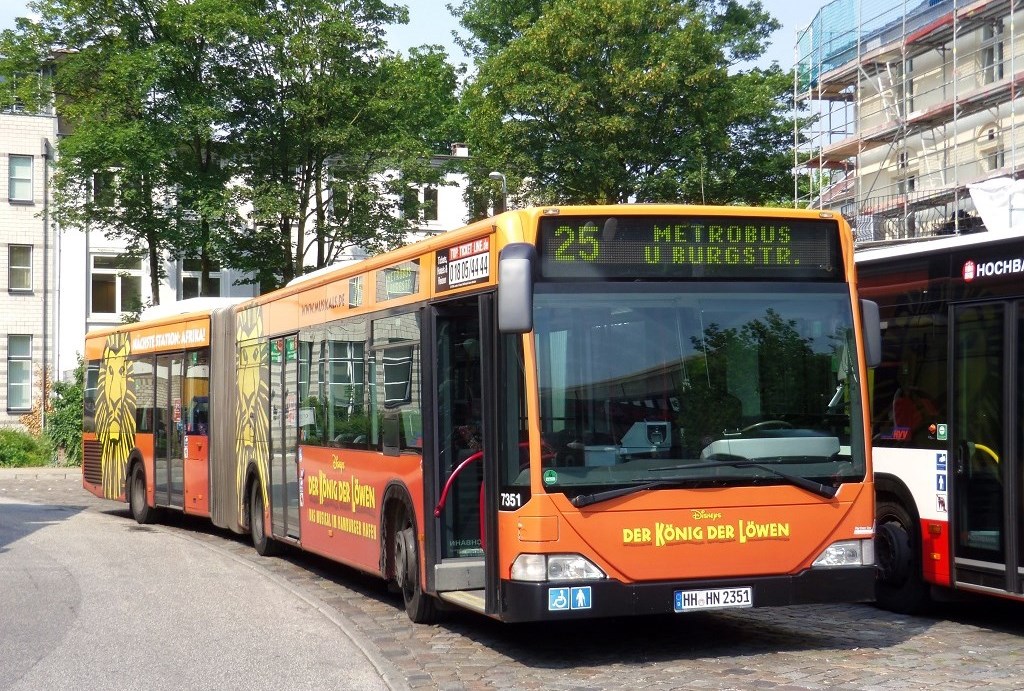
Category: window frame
[991,147]
[119,275]
[431,203]
[993,56]
[11,179]
[216,275]
[104,188]
[11,268]
[11,383]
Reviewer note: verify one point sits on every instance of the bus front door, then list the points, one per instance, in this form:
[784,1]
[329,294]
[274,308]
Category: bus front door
[461,448]
[986,446]
[284,425]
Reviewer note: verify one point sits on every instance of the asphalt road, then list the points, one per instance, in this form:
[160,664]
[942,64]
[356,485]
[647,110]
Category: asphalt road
[88,599]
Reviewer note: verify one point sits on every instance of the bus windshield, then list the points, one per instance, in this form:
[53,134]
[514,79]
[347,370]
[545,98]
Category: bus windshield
[696,385]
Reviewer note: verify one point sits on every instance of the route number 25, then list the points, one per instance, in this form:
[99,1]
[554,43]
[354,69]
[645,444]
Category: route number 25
[577,243]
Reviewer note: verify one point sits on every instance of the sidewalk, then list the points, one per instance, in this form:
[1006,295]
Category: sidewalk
[42,472]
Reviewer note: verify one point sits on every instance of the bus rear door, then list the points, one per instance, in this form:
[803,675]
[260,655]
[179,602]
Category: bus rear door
[284,450]
[169,468]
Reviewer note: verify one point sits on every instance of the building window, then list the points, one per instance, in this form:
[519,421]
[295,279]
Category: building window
[910,86]
[338,201]
[906,171]
[103,189]
[410,202]
[420,203]
[19,179]
[429,203]
[19,372]
[997,159]
[116,284]
[191,274]
[19,268]
[992,52]
[990,148]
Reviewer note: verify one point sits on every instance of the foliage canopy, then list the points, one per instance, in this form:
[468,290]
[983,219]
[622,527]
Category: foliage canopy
[180,113]
[627,100]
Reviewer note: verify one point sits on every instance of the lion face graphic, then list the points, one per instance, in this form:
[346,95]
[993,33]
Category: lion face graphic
[115,413]
[253,398]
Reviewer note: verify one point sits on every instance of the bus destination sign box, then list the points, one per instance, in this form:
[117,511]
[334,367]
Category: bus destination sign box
[675,247]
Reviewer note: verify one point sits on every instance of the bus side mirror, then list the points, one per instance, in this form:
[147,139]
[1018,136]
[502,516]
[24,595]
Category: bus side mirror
[515,287]
[871,327]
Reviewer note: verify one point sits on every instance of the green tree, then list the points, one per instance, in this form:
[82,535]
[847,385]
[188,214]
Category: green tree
[196,48]
[137,86]
[181,112]
[627,100]
[324,113]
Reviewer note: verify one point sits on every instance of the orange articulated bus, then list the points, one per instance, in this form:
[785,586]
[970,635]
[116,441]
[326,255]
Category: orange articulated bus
[556,413]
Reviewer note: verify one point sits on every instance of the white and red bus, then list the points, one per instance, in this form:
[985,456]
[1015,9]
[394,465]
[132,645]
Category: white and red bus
[947,404]
[556,413]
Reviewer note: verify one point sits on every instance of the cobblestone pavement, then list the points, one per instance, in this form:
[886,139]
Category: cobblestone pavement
[967,646]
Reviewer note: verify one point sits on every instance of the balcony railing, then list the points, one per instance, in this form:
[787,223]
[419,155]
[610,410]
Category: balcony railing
[911,216]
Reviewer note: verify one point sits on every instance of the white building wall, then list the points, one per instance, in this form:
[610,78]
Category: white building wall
[25,312]
[72,295]
[79,249]
[77,287]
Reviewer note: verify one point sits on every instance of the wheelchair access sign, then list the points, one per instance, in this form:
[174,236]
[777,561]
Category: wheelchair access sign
[562,599]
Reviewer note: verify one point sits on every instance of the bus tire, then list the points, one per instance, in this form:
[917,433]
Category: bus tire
[900,585]
[421,608]
[265,545]
[142,512]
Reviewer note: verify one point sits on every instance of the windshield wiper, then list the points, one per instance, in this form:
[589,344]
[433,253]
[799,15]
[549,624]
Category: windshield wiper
[588,499]
[720,459]
[826,491]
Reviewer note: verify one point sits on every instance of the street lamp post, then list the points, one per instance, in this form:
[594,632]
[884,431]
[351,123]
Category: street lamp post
[495,175]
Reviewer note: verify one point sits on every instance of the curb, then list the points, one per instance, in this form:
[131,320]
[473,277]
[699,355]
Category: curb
[51,473]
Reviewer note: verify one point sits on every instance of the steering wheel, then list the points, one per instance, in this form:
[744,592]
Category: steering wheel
[767,425]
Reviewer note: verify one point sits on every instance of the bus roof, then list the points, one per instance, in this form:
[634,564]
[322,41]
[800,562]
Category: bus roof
[880,251]
[188,306]
[510,227]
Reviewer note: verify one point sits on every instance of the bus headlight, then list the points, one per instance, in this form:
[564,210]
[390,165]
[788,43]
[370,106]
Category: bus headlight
[847,553]
[554,567]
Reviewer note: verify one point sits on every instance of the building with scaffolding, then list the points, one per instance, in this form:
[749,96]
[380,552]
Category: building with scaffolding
[910,105]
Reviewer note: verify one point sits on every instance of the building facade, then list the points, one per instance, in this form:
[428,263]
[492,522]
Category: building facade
[60,283]
[910,105]
[98,287]
[27,263]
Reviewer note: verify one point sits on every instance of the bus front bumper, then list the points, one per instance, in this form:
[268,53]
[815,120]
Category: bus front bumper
[522,601]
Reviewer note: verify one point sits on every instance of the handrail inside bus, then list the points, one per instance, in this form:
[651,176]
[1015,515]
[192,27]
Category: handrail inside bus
[989,451]
[451,480]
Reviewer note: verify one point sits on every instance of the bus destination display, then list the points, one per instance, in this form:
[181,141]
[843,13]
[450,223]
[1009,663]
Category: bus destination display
[689,247]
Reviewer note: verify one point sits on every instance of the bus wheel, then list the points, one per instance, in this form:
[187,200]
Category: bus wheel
[420,607]
[900,586]
[264,544]
[141,511]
